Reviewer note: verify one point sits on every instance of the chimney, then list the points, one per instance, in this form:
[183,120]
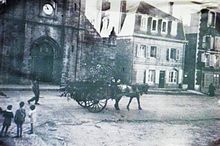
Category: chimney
[171,7]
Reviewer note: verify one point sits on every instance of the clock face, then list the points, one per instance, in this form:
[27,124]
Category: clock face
[48,9]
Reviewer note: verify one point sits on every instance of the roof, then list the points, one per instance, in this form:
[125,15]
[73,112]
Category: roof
[145,8]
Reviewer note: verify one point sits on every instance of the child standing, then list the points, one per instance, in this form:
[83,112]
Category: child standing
[32,117]
[8,115]
[20,118]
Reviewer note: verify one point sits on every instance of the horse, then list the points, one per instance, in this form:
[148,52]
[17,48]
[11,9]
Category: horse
[132,91]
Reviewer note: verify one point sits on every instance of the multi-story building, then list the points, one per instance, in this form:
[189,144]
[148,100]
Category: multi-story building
[157,38]
[206,50]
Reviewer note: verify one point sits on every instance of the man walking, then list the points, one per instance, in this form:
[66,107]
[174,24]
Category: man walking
[36,90]
[20,118]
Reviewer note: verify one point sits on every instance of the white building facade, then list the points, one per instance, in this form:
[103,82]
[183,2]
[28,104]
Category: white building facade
[158,39]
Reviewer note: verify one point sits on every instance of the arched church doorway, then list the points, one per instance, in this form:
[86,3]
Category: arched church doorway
[46,60]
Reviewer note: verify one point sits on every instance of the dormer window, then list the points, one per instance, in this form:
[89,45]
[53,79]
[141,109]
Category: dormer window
[143,23]
[106,5]
[154,25]
[211,19]
[123,6]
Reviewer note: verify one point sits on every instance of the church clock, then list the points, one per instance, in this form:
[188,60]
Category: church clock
[48,9]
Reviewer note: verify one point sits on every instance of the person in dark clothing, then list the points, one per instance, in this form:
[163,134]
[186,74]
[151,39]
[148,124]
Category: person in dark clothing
[36,90]
[211,90]
[20,118]
[8,115]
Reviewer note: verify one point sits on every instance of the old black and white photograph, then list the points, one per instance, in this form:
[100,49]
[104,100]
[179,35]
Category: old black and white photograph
[109,73]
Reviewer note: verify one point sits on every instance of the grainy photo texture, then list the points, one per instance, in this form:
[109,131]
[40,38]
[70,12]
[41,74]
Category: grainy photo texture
[109,72]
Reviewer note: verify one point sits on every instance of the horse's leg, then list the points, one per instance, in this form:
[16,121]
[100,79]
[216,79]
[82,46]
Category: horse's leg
[116,103]
[129,103]
[138,100]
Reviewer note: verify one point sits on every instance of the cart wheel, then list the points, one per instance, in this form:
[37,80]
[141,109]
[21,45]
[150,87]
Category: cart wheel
[84,104]
[97,105]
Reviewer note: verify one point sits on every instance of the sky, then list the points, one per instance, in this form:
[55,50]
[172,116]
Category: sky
[182,8]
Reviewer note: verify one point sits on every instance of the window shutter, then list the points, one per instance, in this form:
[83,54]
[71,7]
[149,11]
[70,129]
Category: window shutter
[203,57]
[138,22]
[136,50]
[157,52]
[217,43]
[148,52]
[174,53]
[212,60]
[149,24]
[208,42]
[169,27]
[211,42]
[204,42]
[168,55]
[145,52]
[177,54]
[144,79]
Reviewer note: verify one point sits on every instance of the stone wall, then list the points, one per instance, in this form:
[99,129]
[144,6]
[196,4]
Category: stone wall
[24,24]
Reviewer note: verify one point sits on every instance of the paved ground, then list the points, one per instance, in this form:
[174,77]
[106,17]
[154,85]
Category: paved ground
[166,120]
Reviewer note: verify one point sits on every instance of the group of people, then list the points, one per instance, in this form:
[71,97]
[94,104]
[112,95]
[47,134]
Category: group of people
[20,114]
[19,119]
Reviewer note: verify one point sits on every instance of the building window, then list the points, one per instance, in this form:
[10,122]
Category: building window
[143,23]
[151,76]
[211,19]
[216,80]
[164,27]
[153,51]
[140,51]
[208,42]
[173,54]
[207,60]
[143,52]
[154,25]
[123,6]
[217,43]
[106,5]
[172,76]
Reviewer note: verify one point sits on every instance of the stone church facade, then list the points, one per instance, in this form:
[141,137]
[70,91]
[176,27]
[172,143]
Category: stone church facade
[36,37]
[40,38]
[48,40]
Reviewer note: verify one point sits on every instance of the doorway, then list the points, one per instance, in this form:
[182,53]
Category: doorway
[46,60]
[162,79]
[42,62]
